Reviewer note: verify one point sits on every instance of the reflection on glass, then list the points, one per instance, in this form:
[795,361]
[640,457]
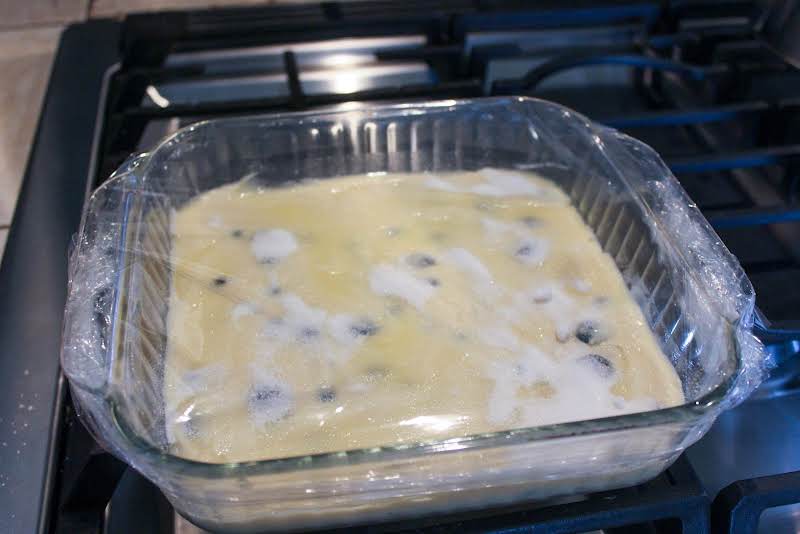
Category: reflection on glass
[350,80]
[346,60]
[436,423]
[156,97]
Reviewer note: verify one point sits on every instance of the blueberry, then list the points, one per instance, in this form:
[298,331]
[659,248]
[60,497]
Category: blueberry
[237,233]
[530,221]
[420,260]
[589,332]
[326,394]
[220,281]
[434,281]
[265,396]
[275,291]
[309,332]
[364,327]
[599,364]
[269,403]
[524,251]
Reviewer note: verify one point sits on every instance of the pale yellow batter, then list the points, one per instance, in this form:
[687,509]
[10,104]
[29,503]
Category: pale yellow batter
[371,310]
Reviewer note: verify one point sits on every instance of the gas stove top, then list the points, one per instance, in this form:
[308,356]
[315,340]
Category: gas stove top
[690,78]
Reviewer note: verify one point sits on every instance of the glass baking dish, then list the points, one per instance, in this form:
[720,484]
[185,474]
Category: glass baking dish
[692,292]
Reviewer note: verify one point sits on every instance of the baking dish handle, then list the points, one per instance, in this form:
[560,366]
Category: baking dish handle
[96,265]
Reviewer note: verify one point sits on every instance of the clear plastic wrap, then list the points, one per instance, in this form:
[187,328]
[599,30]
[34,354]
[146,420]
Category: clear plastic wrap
[691,290]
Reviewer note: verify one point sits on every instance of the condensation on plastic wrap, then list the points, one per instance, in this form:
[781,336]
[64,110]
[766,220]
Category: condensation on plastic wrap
[691,290]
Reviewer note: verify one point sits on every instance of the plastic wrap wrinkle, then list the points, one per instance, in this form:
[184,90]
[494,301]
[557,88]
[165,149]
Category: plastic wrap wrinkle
[717,291]
[691,291]
[94,272]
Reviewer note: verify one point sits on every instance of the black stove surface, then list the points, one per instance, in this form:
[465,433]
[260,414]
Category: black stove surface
[690,78]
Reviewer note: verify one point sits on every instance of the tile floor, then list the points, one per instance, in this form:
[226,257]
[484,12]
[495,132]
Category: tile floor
[26,55]
[27,13]
[29,32]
